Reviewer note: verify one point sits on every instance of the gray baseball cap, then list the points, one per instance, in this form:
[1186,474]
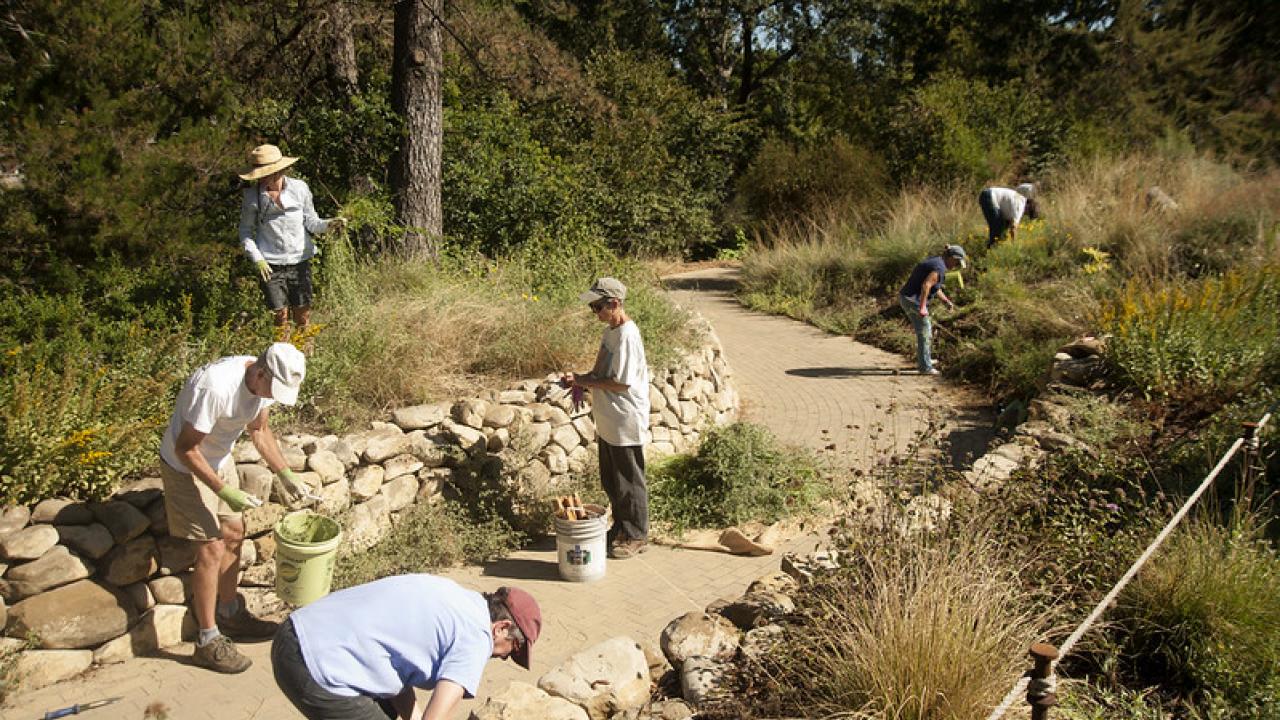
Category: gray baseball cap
[605,287]
[958,253]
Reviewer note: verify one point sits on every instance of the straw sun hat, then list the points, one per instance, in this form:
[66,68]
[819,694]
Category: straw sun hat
[264,160]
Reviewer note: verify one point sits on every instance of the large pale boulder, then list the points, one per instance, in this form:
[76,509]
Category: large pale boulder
[327,465]
[61,511]
[567,437]
[13,518]
[28,543]
[533,437]
[605,679]
[335,497]
[57,567]
[420,417]
[368,523]
[262,519]
[41,668]
[366,481]
[405,464]
[521,701]
[93,540]
[470,412]
[80,615]
[499,416]
[163,626]
[384,447]
[699,634]
[400,492]
[469,438]
[702,680]
[294,457]
[759,608]
[256,480]
[172,589]
[132,562]
[141,493]
[123,520]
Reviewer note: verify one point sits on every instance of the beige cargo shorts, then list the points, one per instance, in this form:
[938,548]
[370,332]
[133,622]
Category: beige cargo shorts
[195,511]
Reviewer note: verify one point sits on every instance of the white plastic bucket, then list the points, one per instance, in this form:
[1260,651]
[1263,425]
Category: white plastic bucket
[580,546]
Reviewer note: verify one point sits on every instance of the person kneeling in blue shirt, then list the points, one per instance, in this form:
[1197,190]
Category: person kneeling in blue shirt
[358,653]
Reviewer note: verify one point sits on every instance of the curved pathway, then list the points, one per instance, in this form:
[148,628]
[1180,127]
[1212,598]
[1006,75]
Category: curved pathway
[794,379]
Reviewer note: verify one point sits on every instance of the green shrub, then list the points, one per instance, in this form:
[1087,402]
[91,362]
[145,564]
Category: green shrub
[955,129]
[429,536]
[1206,340]
[786,182]
[1203,617]
[739,474]
[1087,701]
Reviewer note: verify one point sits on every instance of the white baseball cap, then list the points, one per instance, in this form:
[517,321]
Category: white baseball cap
[288,366]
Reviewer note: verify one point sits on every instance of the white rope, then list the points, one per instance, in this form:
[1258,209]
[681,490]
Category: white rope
[1020,687]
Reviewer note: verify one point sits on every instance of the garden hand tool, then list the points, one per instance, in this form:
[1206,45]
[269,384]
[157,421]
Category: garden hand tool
[79,708]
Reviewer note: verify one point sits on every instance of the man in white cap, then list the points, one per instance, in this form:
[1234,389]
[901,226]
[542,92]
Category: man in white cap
[1003,209]
[277,220]
[619,384]
[202,497]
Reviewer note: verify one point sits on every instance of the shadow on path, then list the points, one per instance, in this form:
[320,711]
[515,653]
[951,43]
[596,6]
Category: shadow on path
[848,372]
[523,567]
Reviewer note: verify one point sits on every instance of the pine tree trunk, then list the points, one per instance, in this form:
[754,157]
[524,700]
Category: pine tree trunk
[343,72]
[415,96]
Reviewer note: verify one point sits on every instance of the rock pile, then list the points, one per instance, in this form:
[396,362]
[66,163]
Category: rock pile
[103,581]
[688,672]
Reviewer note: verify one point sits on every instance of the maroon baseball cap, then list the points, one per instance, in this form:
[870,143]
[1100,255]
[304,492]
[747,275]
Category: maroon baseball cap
[528,617]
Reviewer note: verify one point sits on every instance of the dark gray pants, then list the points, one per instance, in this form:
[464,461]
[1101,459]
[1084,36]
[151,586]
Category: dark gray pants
[305,693]
[622,475]
[996,224]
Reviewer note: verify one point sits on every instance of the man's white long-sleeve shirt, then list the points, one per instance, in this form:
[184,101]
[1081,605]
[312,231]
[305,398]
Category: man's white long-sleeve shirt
[280,234]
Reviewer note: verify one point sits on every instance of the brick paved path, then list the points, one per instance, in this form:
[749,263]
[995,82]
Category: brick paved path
[796,380]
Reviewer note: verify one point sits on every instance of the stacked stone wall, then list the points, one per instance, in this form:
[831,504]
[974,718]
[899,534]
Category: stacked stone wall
[100,582]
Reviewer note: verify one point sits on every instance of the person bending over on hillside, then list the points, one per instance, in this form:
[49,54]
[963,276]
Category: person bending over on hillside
[202,497]
[1003,208]
[619,384]
[925,282]
[358,653]
[277,220]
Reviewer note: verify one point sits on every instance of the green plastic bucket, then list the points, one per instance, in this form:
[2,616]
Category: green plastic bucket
[306,547]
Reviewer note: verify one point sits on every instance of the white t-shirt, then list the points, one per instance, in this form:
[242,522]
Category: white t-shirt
[402,631]
[622,418]
[216,402]
[1009,203]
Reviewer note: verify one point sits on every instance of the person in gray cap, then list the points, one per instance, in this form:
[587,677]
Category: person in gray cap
[925,282]
[619,385]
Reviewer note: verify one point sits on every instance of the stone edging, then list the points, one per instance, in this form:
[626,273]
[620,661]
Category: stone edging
[101,582]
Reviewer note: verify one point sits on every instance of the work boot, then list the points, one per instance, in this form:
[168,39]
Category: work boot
[244,626]
[624,549]
[221,655]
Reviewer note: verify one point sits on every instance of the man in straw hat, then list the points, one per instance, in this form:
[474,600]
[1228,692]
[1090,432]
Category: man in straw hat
[202,495]
[277,220]
[1003,209]
[359,653]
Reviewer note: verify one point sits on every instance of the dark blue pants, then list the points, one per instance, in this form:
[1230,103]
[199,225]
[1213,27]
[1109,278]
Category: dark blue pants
[996,224]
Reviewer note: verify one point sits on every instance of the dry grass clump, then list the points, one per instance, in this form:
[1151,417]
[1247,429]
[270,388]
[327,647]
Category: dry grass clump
[920,629]
[406,333]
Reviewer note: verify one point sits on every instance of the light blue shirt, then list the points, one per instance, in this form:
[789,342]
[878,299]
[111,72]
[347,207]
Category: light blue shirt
[280,234]
[378,638]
